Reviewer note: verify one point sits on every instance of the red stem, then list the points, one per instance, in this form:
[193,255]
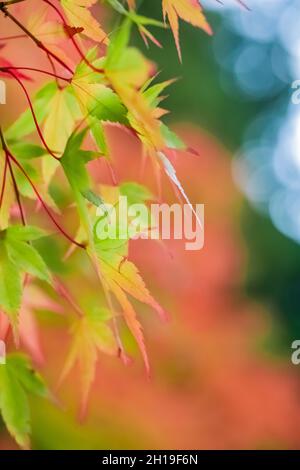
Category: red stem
[17,36]
[44,205]
[9,156]
[15,161]
[35,40]
[54,72]
[17,193]
[64,292]
[3,181]
[32,69]
[33,114]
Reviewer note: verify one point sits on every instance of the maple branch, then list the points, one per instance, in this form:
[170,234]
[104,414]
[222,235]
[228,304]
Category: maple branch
[10,2]
[15,161]
[31,36]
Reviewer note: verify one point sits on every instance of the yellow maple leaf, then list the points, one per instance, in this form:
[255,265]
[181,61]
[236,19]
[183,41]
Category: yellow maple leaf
[122,277]
[86,83]
[142,118]
[90,335]
[189,11]
[78,14]
[63,113]
[126,77]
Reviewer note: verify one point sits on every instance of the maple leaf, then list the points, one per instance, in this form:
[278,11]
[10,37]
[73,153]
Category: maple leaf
[140,20]
[48,31]
[92,93]
[63,112]
[79,16]
[33,299]
[17,256]
[28,155]
[120,275]
[57,112]
[151,100]
[17,381]
[90,335]
[97,101]
[189,11]
[127,70]
[51,33]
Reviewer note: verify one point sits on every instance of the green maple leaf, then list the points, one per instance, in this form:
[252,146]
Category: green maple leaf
[10,284]
[17,380]
[25,125]
[17,256]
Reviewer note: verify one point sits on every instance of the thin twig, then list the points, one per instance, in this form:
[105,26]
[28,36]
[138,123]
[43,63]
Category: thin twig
[66,235]
[15,161]
[32,69]
[34,39]
[33,114]
[9,2]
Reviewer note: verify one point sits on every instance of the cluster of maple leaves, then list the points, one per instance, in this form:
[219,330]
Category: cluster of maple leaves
[81,99]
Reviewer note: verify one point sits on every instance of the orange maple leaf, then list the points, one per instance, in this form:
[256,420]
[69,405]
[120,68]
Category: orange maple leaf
[189,11]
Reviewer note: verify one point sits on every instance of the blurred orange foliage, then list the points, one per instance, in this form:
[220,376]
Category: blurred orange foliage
[210,388]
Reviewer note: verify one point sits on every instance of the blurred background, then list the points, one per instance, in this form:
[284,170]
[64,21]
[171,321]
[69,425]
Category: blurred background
[222,376]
